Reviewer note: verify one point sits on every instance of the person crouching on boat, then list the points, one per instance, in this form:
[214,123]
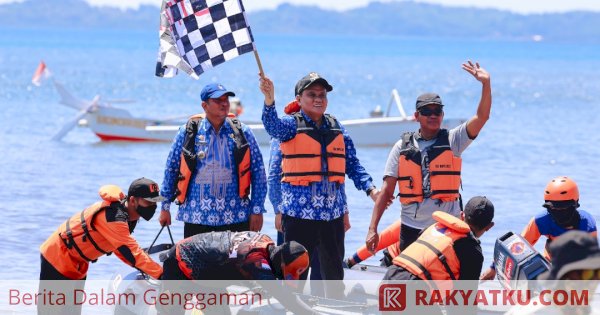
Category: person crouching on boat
[426,164]
[102,228]
[447,250]
[561,200]
[230,255]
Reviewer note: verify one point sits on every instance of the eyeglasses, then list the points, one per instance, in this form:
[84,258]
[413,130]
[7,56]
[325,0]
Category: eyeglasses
[426,111]
[590,274]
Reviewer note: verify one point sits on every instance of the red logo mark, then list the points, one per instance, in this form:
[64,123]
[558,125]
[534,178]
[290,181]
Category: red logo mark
[508,268]
[517,248]
[392,297]
[153,188]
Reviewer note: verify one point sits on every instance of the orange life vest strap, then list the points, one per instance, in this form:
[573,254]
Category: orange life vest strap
[241,154]
[71,243]
[417,264]
[87,232]
[440,256]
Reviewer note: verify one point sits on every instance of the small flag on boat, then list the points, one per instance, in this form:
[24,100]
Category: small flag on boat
[40,74]
[196,35]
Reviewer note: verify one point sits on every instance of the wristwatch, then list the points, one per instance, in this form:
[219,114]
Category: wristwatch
[369,190]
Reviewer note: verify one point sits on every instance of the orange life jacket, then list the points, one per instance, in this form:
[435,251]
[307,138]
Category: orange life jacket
[444,170]
[86,236]
[432,256]
[302,156]
[188,162]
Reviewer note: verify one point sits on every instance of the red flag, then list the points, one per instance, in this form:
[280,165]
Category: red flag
[40,73]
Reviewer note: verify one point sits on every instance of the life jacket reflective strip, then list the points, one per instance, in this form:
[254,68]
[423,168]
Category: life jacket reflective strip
[70,233]
[188,159]
[302,155]
[432,256]
[444,170]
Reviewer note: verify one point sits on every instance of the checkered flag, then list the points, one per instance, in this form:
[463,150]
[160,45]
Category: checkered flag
[196,35]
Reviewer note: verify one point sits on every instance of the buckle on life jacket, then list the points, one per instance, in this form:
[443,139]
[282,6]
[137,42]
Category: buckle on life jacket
[65,241]
[410,181]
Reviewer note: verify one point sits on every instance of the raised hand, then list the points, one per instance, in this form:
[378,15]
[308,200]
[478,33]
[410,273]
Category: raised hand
[477,71]
[268,89]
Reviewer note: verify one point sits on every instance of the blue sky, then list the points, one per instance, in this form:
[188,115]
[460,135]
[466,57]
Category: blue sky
[519,6]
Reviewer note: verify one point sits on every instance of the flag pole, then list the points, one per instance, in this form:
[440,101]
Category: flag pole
[260,68]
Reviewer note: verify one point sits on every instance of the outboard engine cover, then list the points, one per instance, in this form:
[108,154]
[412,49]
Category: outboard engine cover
[516,261]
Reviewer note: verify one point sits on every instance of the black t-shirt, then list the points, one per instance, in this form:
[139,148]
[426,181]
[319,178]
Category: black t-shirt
[468,251]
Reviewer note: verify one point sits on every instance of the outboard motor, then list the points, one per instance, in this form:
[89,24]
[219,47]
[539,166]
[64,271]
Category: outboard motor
[516,261]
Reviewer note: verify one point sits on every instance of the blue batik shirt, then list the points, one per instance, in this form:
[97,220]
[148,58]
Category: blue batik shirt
[321,201]
[213,195]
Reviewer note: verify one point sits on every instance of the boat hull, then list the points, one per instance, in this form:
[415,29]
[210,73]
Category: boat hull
[115,124]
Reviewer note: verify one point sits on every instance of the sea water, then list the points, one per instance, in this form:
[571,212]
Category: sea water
[544,121]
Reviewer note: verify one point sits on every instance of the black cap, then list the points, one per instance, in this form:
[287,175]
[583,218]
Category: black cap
[145,188]
[479,211]
[308,80]
[574,250]
[427,99]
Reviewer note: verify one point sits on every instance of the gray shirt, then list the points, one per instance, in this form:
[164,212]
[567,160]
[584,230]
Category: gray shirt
[418,215]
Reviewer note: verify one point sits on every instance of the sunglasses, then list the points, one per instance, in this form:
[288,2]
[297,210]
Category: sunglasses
[590,274]
[426,111]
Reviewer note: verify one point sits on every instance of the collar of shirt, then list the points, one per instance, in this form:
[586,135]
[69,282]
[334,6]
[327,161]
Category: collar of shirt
[475,238]
[207,127]
[312,123]
[419,137]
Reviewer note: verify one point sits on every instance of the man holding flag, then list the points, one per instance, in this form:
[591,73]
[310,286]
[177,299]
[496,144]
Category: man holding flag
[214,170]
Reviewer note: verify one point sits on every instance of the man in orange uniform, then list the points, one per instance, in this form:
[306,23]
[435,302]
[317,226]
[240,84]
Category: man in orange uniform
[102,228]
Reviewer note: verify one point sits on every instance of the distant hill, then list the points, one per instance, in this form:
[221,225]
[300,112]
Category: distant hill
[389,19]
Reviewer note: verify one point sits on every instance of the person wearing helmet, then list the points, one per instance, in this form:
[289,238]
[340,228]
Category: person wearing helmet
[230,255]
[561,200]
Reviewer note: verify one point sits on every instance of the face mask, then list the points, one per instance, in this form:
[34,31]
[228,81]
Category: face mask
[146,212]
[566,218]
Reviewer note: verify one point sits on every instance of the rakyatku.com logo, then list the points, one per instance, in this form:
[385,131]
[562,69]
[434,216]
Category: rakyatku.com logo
[392,297]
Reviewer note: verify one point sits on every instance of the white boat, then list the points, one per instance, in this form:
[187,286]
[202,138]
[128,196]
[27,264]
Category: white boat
[111,123]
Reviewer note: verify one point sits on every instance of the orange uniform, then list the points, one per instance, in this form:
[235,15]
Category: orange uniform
[100,229]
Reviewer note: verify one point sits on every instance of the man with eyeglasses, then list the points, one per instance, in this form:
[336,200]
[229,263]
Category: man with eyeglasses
[317,154]
[426,164]
[215,171]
